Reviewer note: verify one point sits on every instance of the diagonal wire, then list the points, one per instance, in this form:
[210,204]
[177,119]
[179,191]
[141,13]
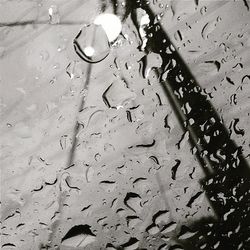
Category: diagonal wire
[37,22]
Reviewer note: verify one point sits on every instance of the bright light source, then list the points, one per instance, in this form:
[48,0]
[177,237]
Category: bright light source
[89,51]
[111,25]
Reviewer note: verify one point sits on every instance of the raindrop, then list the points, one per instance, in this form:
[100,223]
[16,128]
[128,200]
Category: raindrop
[245,79]
[194,198]
[44,54]
[102,220]
[108,186]
[117,95]
[132,221]
[237,130]
[216,245]
[79,236]
[185,233]
[238,66]
[86,208]
[89,174]
[135,114]
[131,244]
[153,229]
[230,80]
[70,184]
[183,140]
[144,129]
[216,63]
[148,145]
[133,202]
[121,212]
[23,131]
[143,20]
[150,62]
[178,36]
[203,10]
[54,15]
[64,142]
[110,247]
[176,247]
[8,245]
[74,70]
[163,247]
[108,147]
[203,246]
[174,169]
[228,213]
[233,99]
[97,157]
[208,29]
[91,44]
[169,227]
[141,184]
[166,123]
[161,217]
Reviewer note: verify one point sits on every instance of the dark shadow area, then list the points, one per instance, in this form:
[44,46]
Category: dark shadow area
[227,173]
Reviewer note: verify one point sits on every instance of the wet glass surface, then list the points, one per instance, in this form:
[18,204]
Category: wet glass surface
[127,134]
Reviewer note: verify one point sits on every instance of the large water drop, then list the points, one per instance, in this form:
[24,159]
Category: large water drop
[92,44]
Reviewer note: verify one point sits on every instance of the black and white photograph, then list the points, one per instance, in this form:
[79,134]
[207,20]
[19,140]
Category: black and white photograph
[125,124]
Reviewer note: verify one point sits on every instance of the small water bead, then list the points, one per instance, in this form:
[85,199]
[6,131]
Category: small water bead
[92,44]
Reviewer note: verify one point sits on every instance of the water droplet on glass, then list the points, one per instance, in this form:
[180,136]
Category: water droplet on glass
[151,61]
[132,244]
[117,95]
[178,36]
[245,79]
[132,221]
[161,217]
[133,201]
[91,44]
[197,198]
[89,174]
[121,212]
[79,236]
[153,229]
[169,227]
[54,15]
[208,29]
[74,70]
[203,10]
[185,233]
[135,114]
[143,21]
[108,186]
[141,184]
[183,140]
[44,54]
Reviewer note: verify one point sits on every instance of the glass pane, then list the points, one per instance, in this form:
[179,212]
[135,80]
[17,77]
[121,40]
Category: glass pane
[124,124]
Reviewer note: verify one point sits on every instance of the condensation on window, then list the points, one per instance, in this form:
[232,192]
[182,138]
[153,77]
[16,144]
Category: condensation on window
[124,124]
